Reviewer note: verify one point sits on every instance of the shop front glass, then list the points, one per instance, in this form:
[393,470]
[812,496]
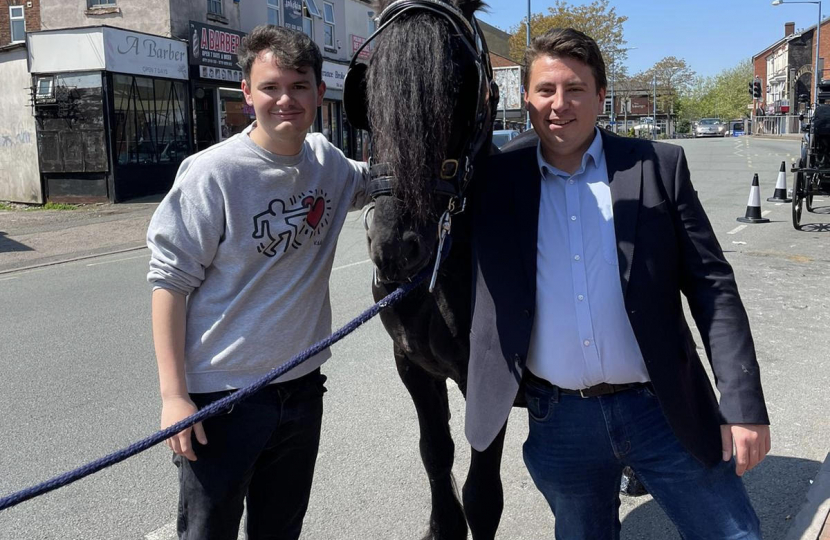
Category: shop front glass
[150,120]
[330,119]
[234,114]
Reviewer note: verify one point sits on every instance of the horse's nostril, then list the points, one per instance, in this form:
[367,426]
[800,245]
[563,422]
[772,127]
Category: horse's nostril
[411,249]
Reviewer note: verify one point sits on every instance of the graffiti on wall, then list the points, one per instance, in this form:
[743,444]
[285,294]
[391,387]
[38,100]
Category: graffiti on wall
[18,137]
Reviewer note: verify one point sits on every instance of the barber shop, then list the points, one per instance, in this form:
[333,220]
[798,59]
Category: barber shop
[111,108]
[219,108]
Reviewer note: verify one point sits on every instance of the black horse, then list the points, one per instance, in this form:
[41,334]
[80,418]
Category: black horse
[428,99]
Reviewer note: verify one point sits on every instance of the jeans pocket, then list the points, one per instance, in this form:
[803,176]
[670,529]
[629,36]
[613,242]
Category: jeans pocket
[648,391]
[539,407]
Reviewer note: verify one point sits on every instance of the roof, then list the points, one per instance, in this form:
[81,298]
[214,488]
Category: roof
[498,41]
[499,61]
[13,46]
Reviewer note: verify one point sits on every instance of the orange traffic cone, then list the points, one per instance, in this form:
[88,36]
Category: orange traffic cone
[780,194]
[753,206]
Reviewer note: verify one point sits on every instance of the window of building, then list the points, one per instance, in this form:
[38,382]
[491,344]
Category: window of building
[18,23]
[100,3]
[312,8]
[45,92]
[274,12]
[608,102]
[308,24]
[150,120]
[215,6]
[328,19]
[372,24]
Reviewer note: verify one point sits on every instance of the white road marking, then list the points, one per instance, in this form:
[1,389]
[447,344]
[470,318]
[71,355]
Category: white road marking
[8,278]
[350,265]
[737,229]
[766,213]
[117,260]
[167,532]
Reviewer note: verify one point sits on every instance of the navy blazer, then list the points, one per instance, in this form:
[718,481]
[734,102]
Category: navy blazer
[665,247]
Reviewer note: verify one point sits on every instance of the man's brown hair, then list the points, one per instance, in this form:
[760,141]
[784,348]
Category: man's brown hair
[291,50]
[567,43]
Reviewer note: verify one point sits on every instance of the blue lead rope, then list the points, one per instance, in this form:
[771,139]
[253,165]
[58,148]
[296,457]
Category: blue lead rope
[211,410]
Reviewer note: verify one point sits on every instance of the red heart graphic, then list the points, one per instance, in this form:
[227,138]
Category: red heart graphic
[315,210]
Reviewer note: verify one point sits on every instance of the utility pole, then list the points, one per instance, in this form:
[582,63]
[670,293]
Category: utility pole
[528,67]
[654,106]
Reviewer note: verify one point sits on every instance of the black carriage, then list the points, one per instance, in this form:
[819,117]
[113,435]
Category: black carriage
[812,172]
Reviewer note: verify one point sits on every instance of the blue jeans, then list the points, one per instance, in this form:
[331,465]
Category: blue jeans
[576,450]
[262,452]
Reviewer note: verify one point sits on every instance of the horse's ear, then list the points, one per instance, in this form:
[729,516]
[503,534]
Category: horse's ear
[469,7]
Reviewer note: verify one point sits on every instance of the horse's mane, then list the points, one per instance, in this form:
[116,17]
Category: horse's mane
[412,94]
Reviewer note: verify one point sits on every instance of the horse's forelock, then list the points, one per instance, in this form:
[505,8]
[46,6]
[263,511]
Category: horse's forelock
[412,91]
[468,7]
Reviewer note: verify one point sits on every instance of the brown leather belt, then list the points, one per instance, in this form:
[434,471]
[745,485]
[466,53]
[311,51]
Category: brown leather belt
[600,389]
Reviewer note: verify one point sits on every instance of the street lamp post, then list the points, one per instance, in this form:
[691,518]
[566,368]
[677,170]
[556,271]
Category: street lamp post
[816,74]
[613,94]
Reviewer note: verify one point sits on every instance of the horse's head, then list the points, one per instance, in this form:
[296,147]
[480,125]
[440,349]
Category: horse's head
[429,103]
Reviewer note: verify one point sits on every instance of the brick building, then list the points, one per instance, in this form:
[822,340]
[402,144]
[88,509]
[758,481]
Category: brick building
[16,18]
[785,70]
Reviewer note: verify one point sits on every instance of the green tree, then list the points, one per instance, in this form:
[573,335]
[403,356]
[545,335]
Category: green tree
[597,19]
[723,96]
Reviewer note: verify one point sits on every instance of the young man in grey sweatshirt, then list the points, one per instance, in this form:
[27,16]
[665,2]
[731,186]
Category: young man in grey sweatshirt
[242,248]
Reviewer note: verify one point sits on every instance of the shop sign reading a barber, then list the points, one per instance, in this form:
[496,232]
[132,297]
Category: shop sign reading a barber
[144,54]
[292,11]
[213,49]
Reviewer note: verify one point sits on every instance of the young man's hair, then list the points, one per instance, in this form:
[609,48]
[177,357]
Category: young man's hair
[567,43]
[291,50]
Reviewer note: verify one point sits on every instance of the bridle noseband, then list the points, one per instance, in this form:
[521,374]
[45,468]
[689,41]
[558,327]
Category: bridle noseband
[455,173]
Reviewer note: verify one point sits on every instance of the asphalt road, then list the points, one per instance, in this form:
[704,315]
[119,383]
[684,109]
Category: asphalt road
[79,380]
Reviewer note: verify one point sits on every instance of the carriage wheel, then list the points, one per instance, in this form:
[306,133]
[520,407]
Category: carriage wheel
[808,203]
[799,186]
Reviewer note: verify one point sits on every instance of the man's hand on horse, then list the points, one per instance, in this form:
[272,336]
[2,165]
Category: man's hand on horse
[175,409]
[750,442]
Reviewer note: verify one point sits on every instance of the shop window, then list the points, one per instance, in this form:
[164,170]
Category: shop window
[150,120]
[234,115]
[273,7]
[330,115]
[18,24]
[100,3]
[214,7]
[328,19]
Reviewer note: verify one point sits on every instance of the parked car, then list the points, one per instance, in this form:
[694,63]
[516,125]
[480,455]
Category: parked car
[504,136]
[710,127]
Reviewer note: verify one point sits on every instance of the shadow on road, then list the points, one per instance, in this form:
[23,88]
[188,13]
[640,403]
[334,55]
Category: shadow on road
[778,489]
[8,245]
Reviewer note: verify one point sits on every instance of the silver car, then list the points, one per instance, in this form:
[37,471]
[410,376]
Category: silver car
[710,127]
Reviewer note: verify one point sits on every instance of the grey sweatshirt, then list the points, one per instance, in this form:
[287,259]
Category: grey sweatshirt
[249,237]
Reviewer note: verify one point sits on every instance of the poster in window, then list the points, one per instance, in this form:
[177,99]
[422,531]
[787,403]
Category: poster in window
[293,14]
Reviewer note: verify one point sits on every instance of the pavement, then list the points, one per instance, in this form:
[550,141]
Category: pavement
[37,238]
[32,238]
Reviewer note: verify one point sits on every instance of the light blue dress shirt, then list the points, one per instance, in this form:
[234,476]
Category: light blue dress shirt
[581,334]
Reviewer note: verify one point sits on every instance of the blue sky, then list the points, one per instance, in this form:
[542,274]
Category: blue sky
[711,35]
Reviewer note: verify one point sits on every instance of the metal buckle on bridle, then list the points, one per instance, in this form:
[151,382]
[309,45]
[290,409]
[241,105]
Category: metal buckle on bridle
[444,227]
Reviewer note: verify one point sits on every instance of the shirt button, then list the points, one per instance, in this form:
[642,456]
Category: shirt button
[577,257]
[517,357]
[580,298]
[587,342]
[573,218]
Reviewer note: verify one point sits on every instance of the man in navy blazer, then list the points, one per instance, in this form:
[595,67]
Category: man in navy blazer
[582,247]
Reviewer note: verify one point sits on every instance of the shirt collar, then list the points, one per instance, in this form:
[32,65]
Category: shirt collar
[594,152]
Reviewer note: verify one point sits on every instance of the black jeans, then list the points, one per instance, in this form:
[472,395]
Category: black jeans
[261,452]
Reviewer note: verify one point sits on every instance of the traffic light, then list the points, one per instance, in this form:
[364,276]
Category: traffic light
[751,93]
[756,90]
